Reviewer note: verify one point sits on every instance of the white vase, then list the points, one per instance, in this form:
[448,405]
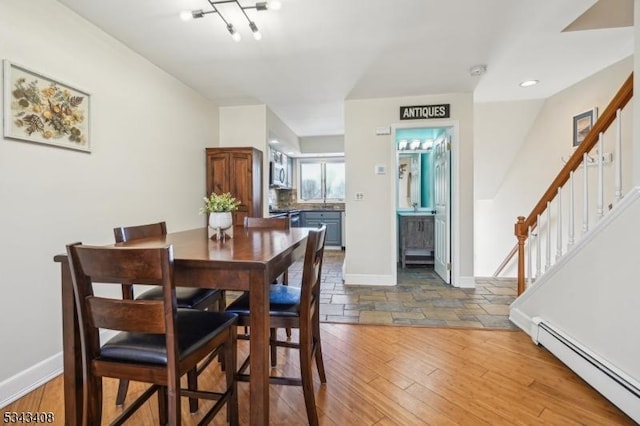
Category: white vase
[220,220]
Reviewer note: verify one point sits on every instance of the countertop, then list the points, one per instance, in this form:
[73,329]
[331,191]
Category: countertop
[307,209]
[418,213]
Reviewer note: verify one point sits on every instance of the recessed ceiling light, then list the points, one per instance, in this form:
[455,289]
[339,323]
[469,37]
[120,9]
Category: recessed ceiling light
[274,141]
[529,83]
[477,70]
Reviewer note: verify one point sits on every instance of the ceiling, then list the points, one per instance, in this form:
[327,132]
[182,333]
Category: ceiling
[314,54]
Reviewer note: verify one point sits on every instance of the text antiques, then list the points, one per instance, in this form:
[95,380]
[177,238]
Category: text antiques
[417,112]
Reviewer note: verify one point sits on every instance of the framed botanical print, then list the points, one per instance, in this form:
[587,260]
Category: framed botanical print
[44,110]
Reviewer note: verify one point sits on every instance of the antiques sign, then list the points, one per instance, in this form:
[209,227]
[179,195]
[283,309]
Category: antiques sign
[424,111]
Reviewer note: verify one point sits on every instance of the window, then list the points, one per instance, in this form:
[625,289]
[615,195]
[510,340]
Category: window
[321,179]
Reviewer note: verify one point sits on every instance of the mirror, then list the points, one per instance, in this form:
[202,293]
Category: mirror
[415,174]
[415,181]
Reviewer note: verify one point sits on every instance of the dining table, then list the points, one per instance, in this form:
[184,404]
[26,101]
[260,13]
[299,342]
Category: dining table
[250,260]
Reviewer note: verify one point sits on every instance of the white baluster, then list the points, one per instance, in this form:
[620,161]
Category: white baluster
[529,265]
[538,250]
[618,156]
[600,202]
[585,200]
[571,230]
[559,226]
[547,263]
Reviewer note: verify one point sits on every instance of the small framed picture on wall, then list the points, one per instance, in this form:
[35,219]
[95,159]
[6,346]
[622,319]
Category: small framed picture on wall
[582,124]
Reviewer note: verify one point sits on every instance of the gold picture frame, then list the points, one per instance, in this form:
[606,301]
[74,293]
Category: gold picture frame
[44,110]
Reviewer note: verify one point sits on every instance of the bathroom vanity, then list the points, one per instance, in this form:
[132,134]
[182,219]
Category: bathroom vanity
[416,238]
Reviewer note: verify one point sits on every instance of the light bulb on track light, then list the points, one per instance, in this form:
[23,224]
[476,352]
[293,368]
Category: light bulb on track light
[234,34]
[254,29]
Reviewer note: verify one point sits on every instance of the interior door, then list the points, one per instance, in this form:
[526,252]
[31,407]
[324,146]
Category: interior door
[442,196]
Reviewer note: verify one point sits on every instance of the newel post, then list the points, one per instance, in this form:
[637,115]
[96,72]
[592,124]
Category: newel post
[521,234]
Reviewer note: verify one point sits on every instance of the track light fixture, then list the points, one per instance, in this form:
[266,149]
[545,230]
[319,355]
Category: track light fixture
[263,5]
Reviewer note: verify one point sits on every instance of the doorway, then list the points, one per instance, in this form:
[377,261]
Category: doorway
[422,197]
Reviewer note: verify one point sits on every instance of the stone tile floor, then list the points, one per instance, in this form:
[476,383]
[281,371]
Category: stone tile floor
[420,298]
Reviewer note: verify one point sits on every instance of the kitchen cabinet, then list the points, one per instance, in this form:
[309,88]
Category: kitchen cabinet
[416,239]
[238,171]
[333,220]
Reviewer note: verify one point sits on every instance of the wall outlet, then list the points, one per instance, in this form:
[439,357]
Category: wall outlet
[359,196]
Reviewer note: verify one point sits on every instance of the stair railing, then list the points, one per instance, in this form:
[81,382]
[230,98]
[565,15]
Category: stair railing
[580,158]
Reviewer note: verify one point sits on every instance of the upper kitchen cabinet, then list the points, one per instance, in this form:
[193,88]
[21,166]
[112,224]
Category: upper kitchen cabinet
[238,171]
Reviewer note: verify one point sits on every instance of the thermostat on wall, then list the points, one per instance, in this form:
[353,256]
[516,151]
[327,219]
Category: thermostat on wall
[380,169]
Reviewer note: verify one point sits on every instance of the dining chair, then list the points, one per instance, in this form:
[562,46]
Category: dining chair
[270,223]
[156,342]
[299,308]
[187,297]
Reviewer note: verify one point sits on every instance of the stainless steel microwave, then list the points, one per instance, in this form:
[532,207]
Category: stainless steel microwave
[277,175]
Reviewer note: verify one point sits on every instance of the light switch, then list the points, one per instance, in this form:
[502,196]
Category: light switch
[380,169]
[359,196]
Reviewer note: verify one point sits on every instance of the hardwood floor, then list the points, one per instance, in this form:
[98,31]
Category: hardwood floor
[385,375]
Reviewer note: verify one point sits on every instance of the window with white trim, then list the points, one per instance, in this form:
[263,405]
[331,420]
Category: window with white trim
[321,180]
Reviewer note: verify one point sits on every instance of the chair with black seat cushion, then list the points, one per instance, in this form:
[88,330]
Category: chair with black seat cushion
[156,343]
[270,223]
[296,308]
[187,297]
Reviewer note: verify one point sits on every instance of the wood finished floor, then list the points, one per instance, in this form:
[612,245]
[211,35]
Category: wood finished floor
[384,375]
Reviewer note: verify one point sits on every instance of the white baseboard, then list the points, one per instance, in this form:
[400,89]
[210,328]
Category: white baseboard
[364,279]
[522,320]
[27,380]
[465,282]
[19,385]
[613,384]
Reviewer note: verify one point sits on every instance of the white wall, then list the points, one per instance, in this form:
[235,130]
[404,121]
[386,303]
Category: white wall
[500,128]
[371,253]
[244,125]
[253,125]
[277,129]
[538,161]
[592,293]
[148,134]
[329,144]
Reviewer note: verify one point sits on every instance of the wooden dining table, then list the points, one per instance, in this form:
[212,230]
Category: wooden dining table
[249,261]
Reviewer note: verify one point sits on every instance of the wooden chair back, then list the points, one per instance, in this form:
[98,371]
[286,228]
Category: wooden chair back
[92,265]
[123,234]
[311,275]
[267,222]
[128,233]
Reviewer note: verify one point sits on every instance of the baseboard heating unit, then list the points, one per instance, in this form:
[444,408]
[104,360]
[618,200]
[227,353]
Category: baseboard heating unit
[620,390]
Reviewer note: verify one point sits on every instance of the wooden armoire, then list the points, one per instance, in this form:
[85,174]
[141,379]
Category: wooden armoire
[238,171]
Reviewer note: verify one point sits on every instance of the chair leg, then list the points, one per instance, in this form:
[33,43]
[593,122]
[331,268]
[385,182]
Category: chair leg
[230,361]
[222,302]
[93,405]
[162,405]
[123,386]
[192,384]
[285,281]
[173,406]
[317,347]
[307,376]
[273,333]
